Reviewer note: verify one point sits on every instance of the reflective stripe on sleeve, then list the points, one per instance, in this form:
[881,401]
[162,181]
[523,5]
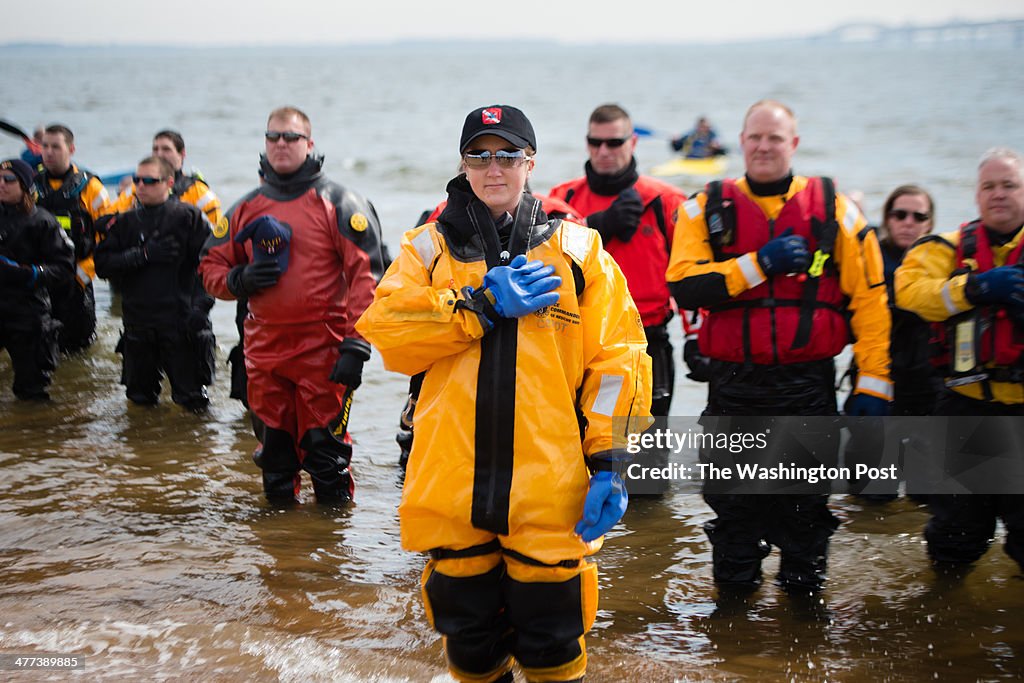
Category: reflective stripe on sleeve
[748,266]
[875,385]
[851,216]
[205,199]
[608,395]
[424,247]
[947,299]
[100,199]
[692,208]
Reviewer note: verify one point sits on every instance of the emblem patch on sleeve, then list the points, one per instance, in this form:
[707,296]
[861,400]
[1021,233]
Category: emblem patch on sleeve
[358,222]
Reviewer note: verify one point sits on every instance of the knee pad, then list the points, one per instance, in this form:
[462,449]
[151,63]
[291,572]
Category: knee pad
[465,606]
[549,609]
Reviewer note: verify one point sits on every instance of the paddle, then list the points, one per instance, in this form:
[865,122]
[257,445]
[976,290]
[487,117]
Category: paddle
[650,133]
[32,145]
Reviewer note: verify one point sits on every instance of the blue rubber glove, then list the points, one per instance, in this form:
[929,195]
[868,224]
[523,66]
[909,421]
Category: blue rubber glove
[521,288]
[1002,285]
[787,253]
[605,504]
[865,405]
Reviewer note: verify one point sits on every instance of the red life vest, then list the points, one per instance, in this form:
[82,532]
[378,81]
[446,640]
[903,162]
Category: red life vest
[998,342]
[644,259]
[787,318]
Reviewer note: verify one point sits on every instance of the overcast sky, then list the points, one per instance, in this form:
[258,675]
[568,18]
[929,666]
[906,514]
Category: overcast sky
[240,22]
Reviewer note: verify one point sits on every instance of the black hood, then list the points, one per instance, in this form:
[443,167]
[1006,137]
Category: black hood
[296,183]
[466,222]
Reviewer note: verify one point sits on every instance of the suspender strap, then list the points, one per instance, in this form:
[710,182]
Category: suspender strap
[826,245]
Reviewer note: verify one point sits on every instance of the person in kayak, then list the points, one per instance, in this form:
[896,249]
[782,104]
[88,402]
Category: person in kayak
[699,143]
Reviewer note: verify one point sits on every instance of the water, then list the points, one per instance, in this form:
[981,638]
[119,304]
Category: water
[139,538]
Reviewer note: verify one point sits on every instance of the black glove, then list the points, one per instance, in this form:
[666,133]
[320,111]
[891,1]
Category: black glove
[1002,285]
[13,273]
[698,364]
[621,219]
[348,370]
[787,253]
[162,249]
[244,281]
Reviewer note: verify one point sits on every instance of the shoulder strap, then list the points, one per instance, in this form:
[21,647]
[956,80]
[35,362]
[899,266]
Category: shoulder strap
[720,217]
[827,232]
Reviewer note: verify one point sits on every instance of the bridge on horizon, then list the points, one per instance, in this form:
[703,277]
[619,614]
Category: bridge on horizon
[1009,31]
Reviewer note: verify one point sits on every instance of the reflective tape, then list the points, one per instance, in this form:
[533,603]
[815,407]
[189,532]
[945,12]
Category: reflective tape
[748,266]
[424,246]
[692,208]
[608,395]
[875,385]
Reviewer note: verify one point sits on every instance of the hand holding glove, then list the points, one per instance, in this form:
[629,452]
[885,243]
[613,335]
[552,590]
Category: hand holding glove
[14,273]
[521,288]
[1002,285]
[348,370]
[621,219]
[244,281]
[162,249]
[787,253]
[865,405]
[605,504]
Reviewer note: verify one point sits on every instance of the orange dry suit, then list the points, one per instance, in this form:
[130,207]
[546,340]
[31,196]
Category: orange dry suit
[508,424]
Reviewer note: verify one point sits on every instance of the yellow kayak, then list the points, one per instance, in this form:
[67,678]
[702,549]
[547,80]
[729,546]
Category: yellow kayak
[711,166]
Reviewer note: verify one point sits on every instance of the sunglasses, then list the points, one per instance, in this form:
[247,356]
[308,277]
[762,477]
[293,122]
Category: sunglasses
[274,136]
[146,180]
[505,158]
[901,215]
[613,143]
[9,178]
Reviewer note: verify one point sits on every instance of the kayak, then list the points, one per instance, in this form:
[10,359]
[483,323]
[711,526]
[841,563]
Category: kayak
[711,166]
[113,178]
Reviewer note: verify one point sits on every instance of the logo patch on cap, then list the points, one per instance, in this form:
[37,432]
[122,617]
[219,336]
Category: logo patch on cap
[491,116]
[358,222]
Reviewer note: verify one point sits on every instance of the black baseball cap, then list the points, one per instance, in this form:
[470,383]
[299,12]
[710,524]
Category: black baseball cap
[502,120]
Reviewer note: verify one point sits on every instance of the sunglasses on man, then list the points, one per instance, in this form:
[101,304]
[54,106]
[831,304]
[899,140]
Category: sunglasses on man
[612,143]
[146,180]
[289,137]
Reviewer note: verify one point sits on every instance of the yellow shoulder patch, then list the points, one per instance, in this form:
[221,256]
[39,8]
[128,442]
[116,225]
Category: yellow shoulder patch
[358,222]
[221,229]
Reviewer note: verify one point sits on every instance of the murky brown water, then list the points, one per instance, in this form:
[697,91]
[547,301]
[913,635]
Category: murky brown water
[139,538]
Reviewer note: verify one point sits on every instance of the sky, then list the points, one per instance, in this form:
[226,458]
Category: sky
[296,22]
